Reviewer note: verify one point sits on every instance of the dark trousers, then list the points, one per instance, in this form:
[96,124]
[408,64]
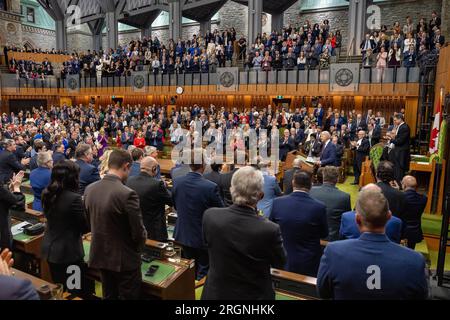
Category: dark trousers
[5,232]
[125,285]
[60,275]
[156,228]
[201,258]
[357,165]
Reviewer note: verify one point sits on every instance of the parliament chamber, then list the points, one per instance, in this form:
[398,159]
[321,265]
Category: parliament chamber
[175,150]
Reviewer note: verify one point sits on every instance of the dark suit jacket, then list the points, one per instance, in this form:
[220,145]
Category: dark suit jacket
[213,176]
[66,224]
[225,185]
[8,200]
[337,202]
[301,230]
[153,196]
[192,196]
[345,271]
[88,174]
[287,180]
[58,157]
[396,200]
[328,155]
[401,153]
[362,151]
[415,205]
[118,233]
[179,171]
[8,166]
[16,289]
[285,148]
[242,248]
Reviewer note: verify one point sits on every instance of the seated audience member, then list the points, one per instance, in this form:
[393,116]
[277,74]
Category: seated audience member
[349,229]
[137,154]
[118,232]
[289,175]
[11,287]
[192,195]
[371,267]
[40,177]
[8,162]
[62,245]
[415,206]
[153,197]
[336,201]
[10,197]
[88,173]
[395,198]
[271,190]
[303,222]
[242,246]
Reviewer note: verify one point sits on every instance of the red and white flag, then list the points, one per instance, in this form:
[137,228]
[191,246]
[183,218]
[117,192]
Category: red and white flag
[434,142]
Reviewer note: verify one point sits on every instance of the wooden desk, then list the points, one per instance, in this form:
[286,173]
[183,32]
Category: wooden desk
[429,168]
[295,284]
[178,286]
[38,285]
[166,165]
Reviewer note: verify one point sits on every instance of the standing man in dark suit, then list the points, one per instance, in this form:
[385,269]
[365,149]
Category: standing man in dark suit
[362,151]
[303,222]
[88,173]
[289,176]
[415,205]
[192,196]
[400,146]
[8,162]
[287,144]
[225,184]
[13,288]
[118,232]
[373,133]
[328,154]
[318,114]
[336,201]
[371,267]
[214,175]
[153,197]
[395,198]
[242,245]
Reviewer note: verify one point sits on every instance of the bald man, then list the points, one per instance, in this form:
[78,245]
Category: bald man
[371,267]
[349,228]
[153,196]
[415,205]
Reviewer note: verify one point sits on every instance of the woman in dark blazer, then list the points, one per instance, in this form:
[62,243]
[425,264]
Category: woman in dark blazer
[10,197]
[62,245]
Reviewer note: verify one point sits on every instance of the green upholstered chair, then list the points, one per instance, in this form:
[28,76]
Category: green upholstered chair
[375,154]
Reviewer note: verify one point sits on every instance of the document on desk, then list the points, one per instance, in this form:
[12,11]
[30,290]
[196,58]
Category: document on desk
[18,228]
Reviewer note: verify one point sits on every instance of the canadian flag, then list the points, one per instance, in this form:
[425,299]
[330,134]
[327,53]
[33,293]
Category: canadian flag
[434,142]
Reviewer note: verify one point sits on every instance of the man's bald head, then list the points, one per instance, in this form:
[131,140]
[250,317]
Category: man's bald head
[371,187]
[297,163]
[409,182]
[149,165]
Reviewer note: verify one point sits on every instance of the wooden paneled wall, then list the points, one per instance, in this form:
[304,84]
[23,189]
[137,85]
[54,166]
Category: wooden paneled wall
[443,75]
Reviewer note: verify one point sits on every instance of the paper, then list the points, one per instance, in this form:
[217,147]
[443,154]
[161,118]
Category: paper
[18,228]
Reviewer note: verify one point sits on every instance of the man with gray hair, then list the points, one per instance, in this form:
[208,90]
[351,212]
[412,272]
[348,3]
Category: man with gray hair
[242,246]
[328,154]
[371,267]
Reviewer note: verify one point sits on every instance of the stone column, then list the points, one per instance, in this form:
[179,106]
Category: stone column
[278,21]
[205,27]
[146,32]
[97,41]
[61,34]
[356,24]
[112,30]
[445,18]
[254,19]
[175,19]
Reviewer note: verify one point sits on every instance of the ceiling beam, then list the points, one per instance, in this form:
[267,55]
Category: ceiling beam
[92,17]
[192,4]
